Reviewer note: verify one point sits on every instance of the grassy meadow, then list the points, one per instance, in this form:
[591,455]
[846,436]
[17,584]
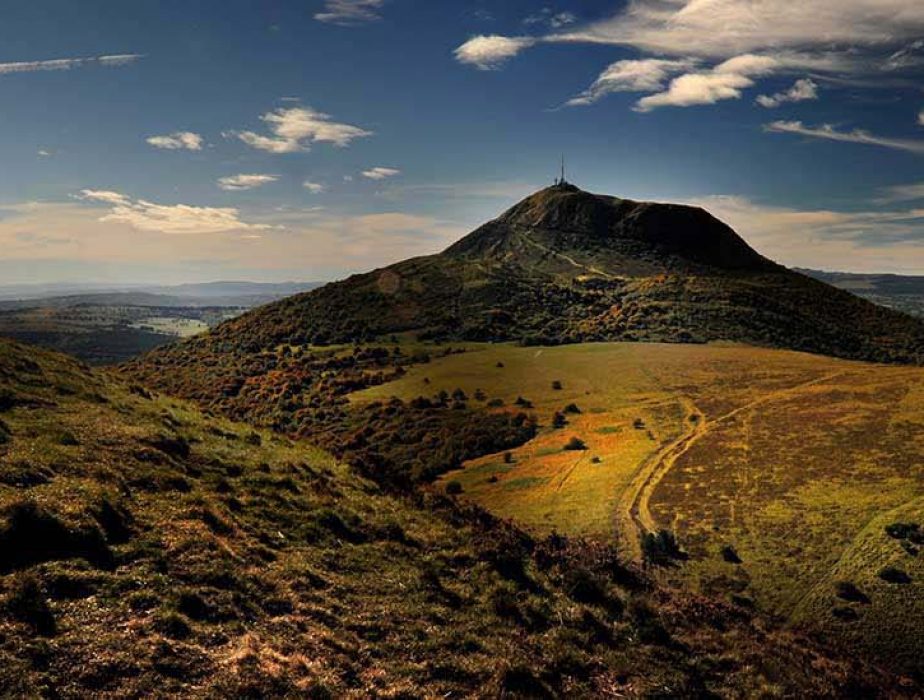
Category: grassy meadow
[779,472]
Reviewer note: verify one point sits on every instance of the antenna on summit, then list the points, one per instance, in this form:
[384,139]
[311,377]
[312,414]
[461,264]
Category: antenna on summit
[562,181]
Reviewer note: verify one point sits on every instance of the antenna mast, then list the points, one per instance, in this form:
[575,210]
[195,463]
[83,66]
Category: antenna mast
[562,181]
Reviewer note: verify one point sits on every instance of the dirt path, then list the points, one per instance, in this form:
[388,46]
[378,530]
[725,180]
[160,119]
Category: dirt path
[635,518]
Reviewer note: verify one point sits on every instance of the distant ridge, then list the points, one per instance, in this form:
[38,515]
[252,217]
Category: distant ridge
[565,266]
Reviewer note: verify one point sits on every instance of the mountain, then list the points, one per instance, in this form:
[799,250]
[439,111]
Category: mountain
[147,549]
[567,266]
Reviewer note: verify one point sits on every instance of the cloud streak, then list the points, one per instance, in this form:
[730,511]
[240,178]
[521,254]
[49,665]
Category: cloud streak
[295,129]
[350,12]
[60,64]
[380,173]
[178,219]
[245,181]
[491,52]
[829,133]
[179,140]
[801,91]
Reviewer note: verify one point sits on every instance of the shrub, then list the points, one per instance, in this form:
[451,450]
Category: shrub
[572,408]
[575,443]
[559,421]
[454,488]
[32,535]
[556,385]
[28,605]
[661,547]
[849,592]
[638,424]
[508,457]
[892,574]
[730,555]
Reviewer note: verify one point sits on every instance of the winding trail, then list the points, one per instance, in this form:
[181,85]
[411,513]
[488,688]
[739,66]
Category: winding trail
[635,518]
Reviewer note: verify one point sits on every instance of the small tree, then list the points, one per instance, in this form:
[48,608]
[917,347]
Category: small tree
[454,488]
[575,443]
[556,385]
[559,421]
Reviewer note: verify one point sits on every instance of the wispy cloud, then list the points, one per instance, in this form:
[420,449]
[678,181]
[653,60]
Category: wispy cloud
[549,17]
[645,75]
[314,187]
[921,118]
[245,181]
[840,39]
[903,193]
[67,63]
[293,130]
[180,140]
[350,12]
[863,241]
[829,133]
[172,219]
[380,173]
[801,91]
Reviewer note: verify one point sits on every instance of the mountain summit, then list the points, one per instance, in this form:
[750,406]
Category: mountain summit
[564,265]
[618,234]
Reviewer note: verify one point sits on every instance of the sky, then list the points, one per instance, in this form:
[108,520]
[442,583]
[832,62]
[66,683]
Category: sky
[300,140]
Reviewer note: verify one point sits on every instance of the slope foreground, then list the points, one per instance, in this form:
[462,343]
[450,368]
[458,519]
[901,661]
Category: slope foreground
[567,266]
[801,466]
[150,550]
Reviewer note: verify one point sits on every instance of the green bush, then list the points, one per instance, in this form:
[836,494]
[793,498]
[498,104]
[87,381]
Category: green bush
[575,443]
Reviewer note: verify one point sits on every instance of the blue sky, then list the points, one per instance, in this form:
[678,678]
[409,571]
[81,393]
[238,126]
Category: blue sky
[273,140]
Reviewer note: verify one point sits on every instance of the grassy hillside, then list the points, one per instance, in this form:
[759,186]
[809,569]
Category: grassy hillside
[566,266]
[148,549]
[796,463]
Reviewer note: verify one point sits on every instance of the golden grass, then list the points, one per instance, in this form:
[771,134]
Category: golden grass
[799,462]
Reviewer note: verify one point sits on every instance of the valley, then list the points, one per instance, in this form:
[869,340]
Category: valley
[795,463]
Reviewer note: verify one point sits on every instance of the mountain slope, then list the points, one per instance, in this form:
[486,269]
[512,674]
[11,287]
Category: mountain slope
[568,266]
[149,550]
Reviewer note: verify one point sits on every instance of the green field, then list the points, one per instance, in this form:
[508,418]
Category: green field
[797,462]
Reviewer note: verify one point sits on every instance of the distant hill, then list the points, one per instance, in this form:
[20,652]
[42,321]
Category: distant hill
[567,266]
[901,292]
[232,294]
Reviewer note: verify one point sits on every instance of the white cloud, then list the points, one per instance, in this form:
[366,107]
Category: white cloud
[314,187]
[45,153]
[350,12]
[864,241]
[489,52]
[380,173]
[837,39]
[172,219]
[903,193]
[645,75]
[724,82]
[802,90]
[245,181]
[296,128]
[828,132]
[723,28]
[179,140]
[67,63]
[921,118]
[555,20]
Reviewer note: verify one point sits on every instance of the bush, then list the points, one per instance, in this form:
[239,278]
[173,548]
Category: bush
[556,385]
[892,574]
[575,443]
[661,547]
[28,605]
[572,408]
[454,488]
[848,591]
[559,421]
[730,555]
